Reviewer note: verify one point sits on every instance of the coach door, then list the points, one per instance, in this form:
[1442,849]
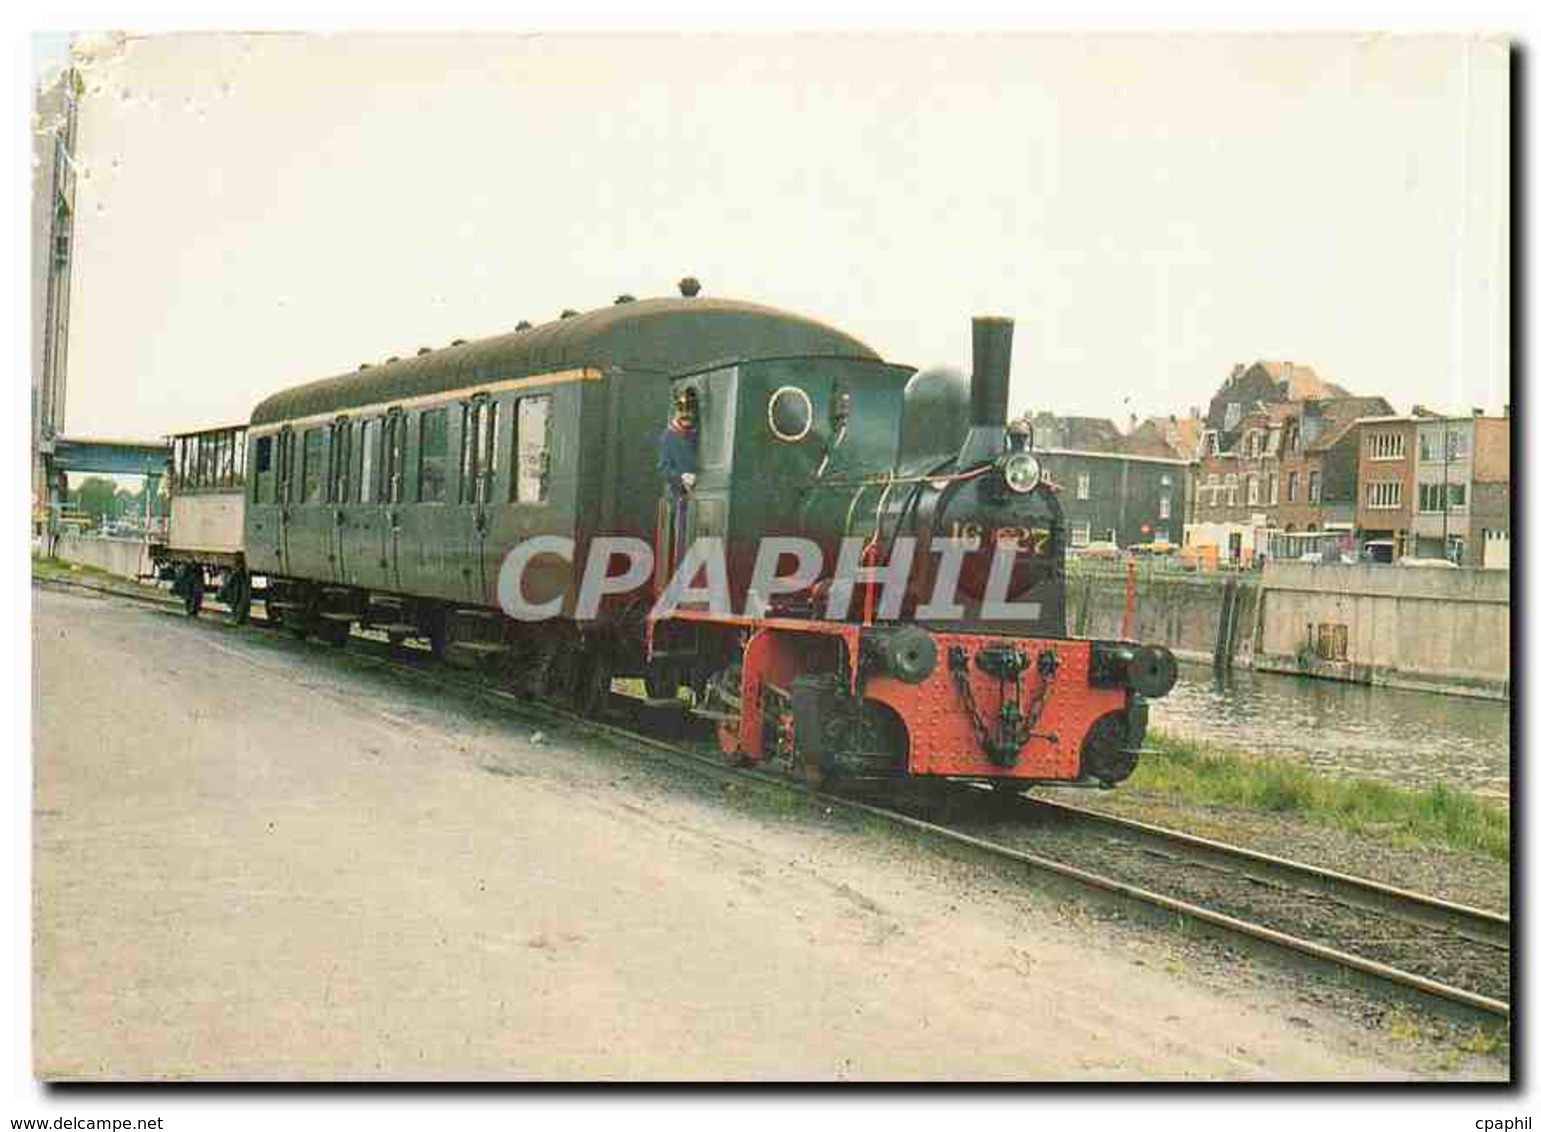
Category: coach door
[393,462]
[284,496]
[478,466]
[364,545]
[339,482]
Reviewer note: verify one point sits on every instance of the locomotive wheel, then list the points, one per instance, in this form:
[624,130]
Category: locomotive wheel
[192,590]
[1105,752]
[661,681]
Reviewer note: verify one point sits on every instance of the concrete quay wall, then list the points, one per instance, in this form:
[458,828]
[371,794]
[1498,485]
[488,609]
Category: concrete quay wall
[1425,629]
[1440,630]
[124,557]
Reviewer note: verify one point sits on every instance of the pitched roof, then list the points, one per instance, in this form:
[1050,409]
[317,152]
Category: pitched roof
[1170,437]
[1084,434]
[1342,412]
[1301,381]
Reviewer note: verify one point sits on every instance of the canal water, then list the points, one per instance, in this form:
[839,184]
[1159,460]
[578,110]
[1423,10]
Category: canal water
[1411,738]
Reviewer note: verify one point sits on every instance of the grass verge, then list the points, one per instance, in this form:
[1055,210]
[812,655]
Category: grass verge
[1189,771]
[58,568]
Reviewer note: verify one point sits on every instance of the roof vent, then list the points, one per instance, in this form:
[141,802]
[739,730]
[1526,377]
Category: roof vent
[522,326]
[619,299]
[421,350]
[569,313]
[690,286]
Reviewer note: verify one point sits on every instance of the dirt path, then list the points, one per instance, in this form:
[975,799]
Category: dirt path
[254,859]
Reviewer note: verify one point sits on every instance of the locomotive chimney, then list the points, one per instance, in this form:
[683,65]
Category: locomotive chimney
[987,391]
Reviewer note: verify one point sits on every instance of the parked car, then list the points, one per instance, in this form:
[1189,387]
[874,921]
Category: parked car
[1101,550]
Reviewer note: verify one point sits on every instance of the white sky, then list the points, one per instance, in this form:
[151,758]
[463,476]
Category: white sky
[262,210]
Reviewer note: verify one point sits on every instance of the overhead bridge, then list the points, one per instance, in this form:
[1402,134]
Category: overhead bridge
[110,457]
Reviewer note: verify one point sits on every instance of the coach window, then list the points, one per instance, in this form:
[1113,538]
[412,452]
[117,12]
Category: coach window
[310,467]
[532,450]
[238,460]
[367,433]
[263,460]
[433,454]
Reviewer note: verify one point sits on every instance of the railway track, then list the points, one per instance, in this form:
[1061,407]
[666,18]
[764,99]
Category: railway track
[1445,956]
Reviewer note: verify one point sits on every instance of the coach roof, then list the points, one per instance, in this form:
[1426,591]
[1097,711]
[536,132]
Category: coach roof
[653,335]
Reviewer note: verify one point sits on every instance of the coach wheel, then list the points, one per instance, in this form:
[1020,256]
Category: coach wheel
[554,672]
[240,597]
[334,633]
[438,633]
[593,684]
[192,590]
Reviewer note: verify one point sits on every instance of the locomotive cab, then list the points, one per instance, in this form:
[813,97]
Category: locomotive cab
[972,674]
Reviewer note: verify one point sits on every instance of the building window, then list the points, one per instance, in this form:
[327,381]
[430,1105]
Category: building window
[1383,496]
[432,455]
[1165,510]
[1314,488]
[532,441]
[1231,487]
[1083,486]
[1254,494]
[1232,415]
[311,469]
[1212,486]
[1080,532]
[1387,446]
[1432,497]
[1273,490]
[1457,446]
[1293,493]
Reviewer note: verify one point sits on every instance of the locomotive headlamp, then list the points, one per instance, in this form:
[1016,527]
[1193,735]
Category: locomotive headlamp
[1020,471]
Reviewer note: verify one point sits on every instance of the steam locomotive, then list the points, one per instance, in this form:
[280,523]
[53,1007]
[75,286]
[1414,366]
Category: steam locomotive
[925,636]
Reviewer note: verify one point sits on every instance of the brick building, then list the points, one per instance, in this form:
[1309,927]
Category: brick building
[1461,476]
[1113,488]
